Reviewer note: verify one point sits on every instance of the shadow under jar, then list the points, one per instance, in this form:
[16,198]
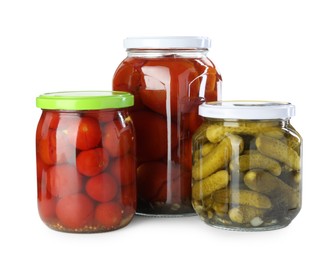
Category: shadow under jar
[86,163]
[169,77]
[247,165]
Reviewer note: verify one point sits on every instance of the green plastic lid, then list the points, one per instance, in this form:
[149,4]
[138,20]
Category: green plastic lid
[85,100]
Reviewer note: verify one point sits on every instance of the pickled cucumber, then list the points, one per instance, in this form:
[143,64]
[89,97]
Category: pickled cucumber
[201,189]
[255,160]
[215,133]
[217,158]
[242,197]
[279,151]
[264,182]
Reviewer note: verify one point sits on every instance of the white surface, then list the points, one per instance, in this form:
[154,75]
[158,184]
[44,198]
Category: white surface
[272,50]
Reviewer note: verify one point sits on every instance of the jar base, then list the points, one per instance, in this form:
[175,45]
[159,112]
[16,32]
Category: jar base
[266,226]
[160,209]
[250,229]
[155,215]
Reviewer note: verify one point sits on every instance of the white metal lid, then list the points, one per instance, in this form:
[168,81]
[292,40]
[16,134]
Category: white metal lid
[169,42]
[245,109]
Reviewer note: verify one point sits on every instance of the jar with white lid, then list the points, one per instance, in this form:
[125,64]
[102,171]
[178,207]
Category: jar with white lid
[247,165]
[169,78]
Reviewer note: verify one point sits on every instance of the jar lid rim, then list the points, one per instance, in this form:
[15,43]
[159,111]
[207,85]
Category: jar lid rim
[247,109]
[167,42]
[85,100]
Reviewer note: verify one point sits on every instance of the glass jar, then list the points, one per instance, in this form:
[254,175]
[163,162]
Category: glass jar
[85,154]
[247,165]
[169,77]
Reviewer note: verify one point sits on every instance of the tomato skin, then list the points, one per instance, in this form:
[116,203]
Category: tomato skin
[167,75]
[75,211]
[41,169]
[181,187]
[128,78]
[46,202]
[152,183]
[108,214]
[63,180]
[152,135]
[117,139]
[124,169]
[92,162]
[84,133]
[151,177]
[48,120]
[155,100]
[53,148]
[102,187]
[46,209]
[46,151]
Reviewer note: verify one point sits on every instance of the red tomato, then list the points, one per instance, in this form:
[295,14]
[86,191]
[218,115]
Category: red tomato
[41,168]
[127,78]
[138,105]
[181,187]
[151,177]
[46,209]
[108,214]
[102,187]
[208,72]
[153,184]
[48,120]
[171,75]
[92,162]
[84,134]
[124,169]
[75,211]
[152,135]
[63,180]
[45,150]
[53,148]
[65,152]
[117,139]
[156,100]
[46,202]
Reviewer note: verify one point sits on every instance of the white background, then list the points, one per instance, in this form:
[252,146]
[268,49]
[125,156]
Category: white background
[278,50]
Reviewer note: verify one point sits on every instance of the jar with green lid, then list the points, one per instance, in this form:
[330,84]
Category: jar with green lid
[247,165]
[85,155]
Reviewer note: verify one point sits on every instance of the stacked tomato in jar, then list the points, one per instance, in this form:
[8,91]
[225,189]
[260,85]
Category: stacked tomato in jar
[169,78]
[86,161]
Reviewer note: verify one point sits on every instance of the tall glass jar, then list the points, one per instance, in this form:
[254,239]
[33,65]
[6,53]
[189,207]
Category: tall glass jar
[86,163]
[169,77]
[247,165]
